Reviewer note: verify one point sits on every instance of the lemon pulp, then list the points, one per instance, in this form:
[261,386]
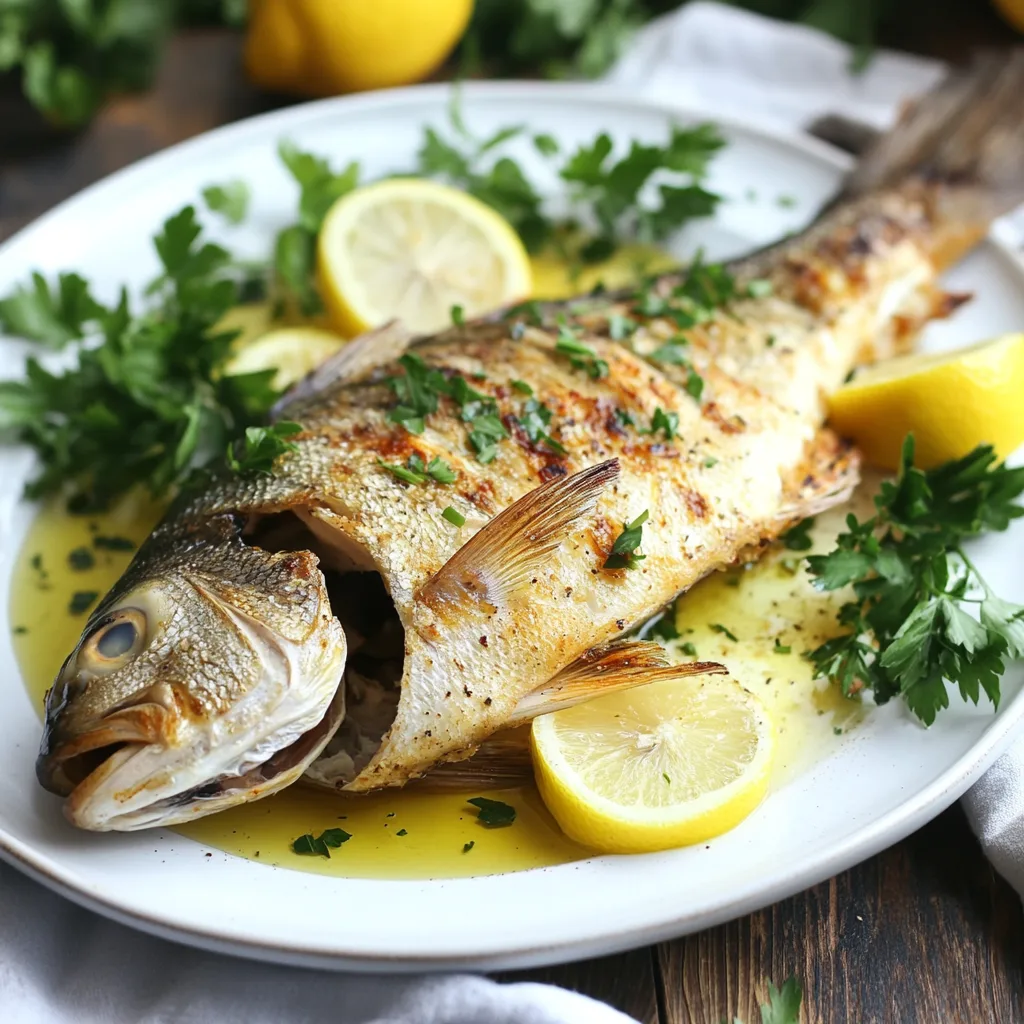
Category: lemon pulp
[413,250]
[951,402]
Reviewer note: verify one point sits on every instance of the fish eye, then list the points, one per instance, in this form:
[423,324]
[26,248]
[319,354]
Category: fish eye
[114,641]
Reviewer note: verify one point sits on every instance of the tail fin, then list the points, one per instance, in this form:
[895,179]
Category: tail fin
[966,135]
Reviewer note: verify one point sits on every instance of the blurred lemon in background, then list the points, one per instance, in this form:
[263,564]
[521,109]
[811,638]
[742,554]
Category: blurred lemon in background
[1012,11]
[324,47]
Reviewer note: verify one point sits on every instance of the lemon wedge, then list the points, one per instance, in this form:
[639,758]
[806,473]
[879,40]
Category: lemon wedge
[413,249]
[291,351]
[663,765]
[952,402]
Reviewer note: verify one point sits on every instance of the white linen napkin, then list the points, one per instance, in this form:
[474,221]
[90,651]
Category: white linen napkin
[60,964]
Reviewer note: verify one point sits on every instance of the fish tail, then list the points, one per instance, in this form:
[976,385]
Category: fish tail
[960,148]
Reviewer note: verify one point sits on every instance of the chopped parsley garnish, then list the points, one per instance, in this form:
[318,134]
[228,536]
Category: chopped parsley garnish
[781,648]
[493,813]
[759,288]
[112,543]
[786,202]
[402,832]
[625,417]
[453,516]
[695,384]
[798,538]
[623,554]
[719,628]
[674,353]
[260,447]
[666,422]
[466,847]
[664,627]
[688,649]
[908,630]
[230,200]
[522,387]
[664,775]
[709,462]
[321,845]
[419,390]
[416,471]
[20,630]
[534,420]
[81,601]
[485,431]
[458,316]
[582,357]
[621,327]
[81,559]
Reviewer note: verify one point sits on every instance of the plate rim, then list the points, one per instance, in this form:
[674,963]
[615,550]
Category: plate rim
[910,814]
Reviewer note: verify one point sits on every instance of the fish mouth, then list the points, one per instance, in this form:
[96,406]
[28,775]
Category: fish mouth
[120,776]
[158,760]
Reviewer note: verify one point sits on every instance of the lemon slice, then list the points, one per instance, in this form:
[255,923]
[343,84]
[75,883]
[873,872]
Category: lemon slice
[952,402]
[662,765]
[291,351]
[413,249]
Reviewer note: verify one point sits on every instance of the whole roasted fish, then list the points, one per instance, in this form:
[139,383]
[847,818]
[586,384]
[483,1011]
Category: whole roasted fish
[354,617]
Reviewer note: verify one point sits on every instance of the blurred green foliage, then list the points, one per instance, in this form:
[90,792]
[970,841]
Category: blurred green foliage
[72,54]
[563,38]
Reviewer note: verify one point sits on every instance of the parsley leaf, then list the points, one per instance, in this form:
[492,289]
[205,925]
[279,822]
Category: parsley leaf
[260,447]
[666,422]
[230,200]
[454,516]
[582,357]
[415,471]
[52,318]
[534,420]
[783,1007]
[623,554]
[321,845]
[493,813]
[148,402]
[908,630]
[798,537]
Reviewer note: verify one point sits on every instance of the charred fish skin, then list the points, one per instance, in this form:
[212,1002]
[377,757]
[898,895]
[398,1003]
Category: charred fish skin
[491,613]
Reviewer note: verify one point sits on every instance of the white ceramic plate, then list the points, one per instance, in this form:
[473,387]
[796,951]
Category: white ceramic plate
[882,782]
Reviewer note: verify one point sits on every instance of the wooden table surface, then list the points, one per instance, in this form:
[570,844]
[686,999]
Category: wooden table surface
[925,932]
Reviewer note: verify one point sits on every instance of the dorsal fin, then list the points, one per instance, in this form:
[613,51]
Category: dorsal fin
[615,666]
[516,542]
[375,348]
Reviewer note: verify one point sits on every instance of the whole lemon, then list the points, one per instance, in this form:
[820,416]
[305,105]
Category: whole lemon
[324,47]
[1012,11]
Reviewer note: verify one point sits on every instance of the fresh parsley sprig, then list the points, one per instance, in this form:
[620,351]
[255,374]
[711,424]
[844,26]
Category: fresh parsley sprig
[148,402]
[908,630]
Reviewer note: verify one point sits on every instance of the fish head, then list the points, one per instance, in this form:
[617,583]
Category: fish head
[209,676]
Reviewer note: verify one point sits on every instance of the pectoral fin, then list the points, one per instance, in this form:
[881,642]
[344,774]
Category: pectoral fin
[504,759]
[515,543]
[616,666]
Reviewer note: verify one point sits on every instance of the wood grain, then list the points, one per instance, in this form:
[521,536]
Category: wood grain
[925,933]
